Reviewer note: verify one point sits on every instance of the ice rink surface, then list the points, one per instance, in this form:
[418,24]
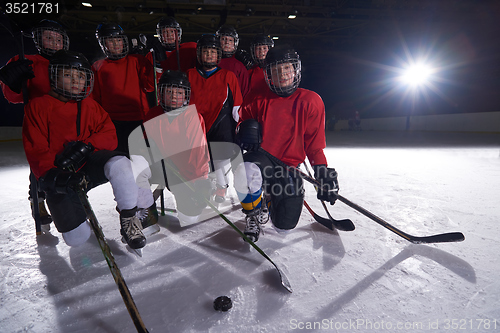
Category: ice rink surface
[366,280]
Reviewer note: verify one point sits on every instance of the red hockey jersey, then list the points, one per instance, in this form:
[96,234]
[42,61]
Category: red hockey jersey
[120,86]
[234,65]
[210,94]
[50,123]
[37,86]
[187,57]
[181,138]
[257,81]
[292,127]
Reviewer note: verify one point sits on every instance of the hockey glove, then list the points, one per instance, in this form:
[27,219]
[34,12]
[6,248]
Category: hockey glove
[159,50]
[244,57]
[74,155]
[60,181]
[249,135]
[14,73]
[329,183]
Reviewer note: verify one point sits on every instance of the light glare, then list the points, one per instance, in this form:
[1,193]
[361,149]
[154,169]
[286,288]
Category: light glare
[417,74]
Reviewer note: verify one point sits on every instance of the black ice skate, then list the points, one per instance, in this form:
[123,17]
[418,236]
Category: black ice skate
[149,220]
[254,219]
[131,229]
[45,218]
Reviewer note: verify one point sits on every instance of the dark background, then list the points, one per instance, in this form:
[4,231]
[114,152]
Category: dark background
[350,50]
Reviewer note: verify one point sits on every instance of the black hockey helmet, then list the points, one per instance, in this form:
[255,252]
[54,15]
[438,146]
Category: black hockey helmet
[276,60]
[168,22]
[50,46]
[228,30]
[258,40]
[210,41]
[63,64]
[105,31]
[173,79]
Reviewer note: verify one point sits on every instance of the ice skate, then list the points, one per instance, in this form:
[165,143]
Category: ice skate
[45,218]
[149,220]
[131,229]
[254,219]
[220,193]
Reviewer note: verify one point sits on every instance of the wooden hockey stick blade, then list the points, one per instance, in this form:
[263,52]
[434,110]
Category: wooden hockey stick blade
[332,224]
[284,279]
[346,224]
[440,238]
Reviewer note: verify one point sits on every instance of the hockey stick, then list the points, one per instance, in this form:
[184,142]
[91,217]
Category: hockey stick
[440,238]
[177,49]
[115,271]
[346,223]
[284,279]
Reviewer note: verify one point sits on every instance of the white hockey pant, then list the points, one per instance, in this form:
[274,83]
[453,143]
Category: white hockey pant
[129,179]
[222,167]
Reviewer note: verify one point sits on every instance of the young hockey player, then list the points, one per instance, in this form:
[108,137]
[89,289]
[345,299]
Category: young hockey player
[169,33]
[289,123]
[49,37]
[217,96]
[229,41]
[121,82]
[174,121]
[64,132]
[259,47]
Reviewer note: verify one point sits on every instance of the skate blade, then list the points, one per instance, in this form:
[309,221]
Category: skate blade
[138,252]
[151,230]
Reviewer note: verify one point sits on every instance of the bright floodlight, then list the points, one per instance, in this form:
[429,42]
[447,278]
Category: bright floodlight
[416,74]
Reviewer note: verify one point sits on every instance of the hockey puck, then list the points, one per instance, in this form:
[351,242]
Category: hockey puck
[223,303]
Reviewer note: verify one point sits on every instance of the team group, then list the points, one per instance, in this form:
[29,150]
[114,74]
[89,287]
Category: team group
[214,110]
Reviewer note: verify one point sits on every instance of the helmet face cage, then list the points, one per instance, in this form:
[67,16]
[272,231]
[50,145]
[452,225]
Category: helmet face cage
[283,76]
[107,43]
[73,82]
[209,64]
[161,32]
[228,32]
[49,40]
[262,41]
[173,96]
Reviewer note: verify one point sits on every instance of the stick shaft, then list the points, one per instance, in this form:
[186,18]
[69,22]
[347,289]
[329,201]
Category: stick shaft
[115,271]
[440,238]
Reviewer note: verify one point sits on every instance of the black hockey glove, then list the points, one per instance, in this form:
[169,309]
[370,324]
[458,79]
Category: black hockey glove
[159,50]
[330,185]
[60,181]
[14,73]
[74,155]
[249,135]
[244,57]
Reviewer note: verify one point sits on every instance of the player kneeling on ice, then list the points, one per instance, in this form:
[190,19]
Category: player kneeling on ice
[176,136]
[287,122]
[69,141]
